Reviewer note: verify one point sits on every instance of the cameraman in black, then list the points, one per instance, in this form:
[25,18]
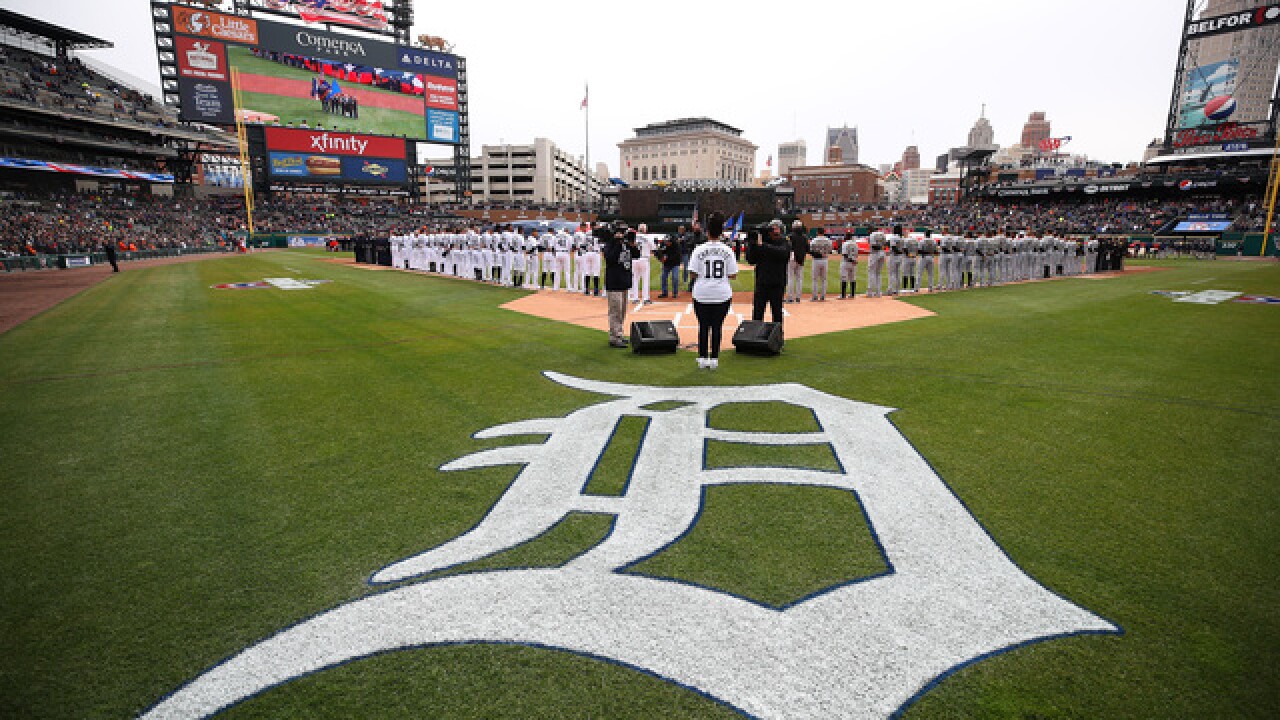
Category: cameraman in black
[770,253]
[618,243]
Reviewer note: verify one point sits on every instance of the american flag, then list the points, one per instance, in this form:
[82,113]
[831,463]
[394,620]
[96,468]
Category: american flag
[586,91]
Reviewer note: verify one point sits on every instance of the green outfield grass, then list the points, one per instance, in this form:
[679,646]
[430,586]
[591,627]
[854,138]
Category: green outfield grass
[189,470]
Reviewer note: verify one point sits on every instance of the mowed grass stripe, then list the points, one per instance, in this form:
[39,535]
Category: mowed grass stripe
[613,470]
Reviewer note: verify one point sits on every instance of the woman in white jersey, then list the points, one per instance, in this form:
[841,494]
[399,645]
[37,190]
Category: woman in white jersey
[711,267]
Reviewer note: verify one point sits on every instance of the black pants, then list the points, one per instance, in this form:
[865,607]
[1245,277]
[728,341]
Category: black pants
[772,295]
[710,326]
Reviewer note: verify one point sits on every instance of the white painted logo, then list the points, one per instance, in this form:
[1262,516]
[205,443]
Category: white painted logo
[863,649]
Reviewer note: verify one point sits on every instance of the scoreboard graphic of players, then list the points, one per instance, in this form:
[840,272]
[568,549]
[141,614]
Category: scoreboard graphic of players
[303,76]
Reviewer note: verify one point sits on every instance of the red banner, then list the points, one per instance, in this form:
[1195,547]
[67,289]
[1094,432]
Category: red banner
[333,143]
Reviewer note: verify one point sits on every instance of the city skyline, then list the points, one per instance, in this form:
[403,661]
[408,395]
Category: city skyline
[1107,84]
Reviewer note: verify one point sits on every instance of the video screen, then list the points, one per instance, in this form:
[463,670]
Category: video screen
[302,92]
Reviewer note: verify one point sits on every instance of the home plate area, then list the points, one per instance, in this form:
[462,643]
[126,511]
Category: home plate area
[800,319]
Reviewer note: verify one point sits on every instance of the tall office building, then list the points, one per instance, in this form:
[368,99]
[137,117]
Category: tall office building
[790,155]
[982,136]
[1036,129]
[911,158]
[845,138]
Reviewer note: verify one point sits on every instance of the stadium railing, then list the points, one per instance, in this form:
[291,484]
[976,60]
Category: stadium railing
[48,262]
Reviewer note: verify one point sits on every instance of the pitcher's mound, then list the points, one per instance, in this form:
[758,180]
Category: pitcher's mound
[800,319]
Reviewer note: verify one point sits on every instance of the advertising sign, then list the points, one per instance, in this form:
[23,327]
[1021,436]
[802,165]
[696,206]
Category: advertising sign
[442,126]
[215,25]
[1214,84]
[442,93]
[429,62]
[329,168]
[201,59]
[309,42]
[1260,16]
[318,156]
[333,143]
[206,101]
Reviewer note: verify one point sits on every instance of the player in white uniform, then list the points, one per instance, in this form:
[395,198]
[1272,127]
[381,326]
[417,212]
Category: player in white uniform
[578,252]
[562,243]
[535,276]
[640,267]
[590,262]
[712,267]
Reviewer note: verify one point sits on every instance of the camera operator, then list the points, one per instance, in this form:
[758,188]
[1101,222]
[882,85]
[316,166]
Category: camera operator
[770,253]
[619,242]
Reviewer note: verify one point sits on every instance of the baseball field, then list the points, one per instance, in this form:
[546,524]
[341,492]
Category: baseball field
[1048,500]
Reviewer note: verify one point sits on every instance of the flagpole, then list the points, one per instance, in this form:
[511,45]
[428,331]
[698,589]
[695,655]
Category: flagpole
[586,105]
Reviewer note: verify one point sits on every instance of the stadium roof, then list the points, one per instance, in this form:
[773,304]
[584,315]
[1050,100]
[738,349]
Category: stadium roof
[1252,153]
[25,25]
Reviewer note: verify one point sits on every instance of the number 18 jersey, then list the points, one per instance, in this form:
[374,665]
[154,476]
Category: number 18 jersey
[714,263]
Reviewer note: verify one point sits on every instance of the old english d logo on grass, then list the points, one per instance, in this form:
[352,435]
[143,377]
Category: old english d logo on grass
[868,648]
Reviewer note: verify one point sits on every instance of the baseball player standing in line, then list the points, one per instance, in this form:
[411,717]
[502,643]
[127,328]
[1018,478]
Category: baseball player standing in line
[579,252]
[910,263]
[875,263]
[928,272]
[591,262]
[799,240]
[894,264]
[561,243]
[533,261]
[849,267]
[819,250]
[640,267]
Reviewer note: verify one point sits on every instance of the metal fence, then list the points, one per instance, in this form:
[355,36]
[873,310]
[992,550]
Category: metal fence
[73,260]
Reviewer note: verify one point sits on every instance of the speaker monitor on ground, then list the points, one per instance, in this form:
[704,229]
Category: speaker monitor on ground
[658,336]
[758,338]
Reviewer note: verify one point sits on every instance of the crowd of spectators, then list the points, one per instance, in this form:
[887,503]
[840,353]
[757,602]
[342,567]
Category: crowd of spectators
[68,222]
[1102,216]
[71,223]
[68,84]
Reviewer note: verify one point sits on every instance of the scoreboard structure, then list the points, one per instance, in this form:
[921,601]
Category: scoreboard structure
[341,69]
[1227,80]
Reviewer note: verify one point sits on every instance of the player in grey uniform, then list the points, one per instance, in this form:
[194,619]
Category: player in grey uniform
[946,263]
[910,264]
[849,267]
[927,271]
[819,249]
[875,263]
[893,264]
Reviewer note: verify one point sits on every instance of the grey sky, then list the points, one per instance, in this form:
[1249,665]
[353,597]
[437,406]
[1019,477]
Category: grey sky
[904,73]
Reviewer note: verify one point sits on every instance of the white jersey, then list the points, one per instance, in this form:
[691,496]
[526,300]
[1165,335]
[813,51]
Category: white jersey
[714,263]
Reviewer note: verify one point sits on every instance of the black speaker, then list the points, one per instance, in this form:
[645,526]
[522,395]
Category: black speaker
[758,338]
[658,336]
